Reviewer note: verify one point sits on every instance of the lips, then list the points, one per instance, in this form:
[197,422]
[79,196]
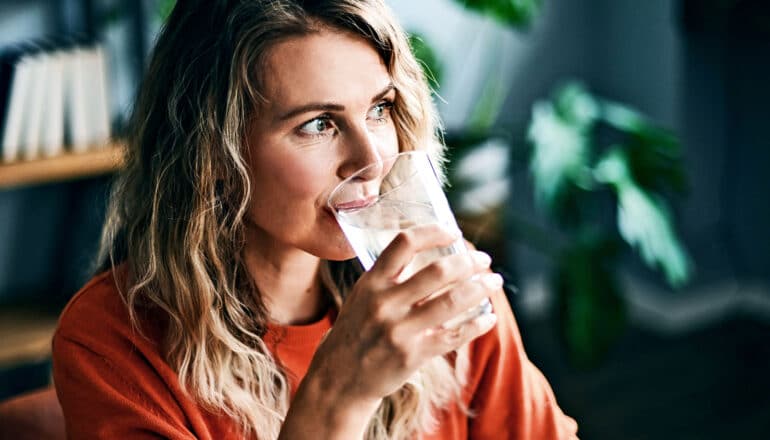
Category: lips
[355,204]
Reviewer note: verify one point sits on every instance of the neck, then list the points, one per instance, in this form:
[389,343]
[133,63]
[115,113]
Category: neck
[287,279]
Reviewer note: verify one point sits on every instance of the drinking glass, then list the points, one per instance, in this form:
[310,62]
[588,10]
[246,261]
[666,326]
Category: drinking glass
[378,201]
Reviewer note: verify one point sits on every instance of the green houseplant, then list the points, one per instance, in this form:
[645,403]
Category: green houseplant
[591,157]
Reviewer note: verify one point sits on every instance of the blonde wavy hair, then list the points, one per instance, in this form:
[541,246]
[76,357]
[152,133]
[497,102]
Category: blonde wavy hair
[177,211]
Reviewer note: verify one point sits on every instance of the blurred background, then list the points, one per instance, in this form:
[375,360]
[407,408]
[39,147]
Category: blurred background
[610,154]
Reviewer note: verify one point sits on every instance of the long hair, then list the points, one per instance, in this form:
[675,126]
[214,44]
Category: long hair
[177,211]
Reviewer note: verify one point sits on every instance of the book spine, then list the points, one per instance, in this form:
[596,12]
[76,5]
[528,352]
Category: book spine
[78,97]
[20,88]
[100,106]
[33,117]
[52,128]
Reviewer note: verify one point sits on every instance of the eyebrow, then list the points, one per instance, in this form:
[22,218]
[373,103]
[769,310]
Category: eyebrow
[329,106]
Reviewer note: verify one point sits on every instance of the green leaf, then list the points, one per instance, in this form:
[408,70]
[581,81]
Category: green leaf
[655,162]
[559,151]
[654,154]
[576,106]
[517,13]
[560,134]
[623,118]
[644,221]
[164,8]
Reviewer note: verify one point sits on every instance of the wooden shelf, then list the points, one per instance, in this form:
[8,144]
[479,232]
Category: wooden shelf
[26,337]
[68,166]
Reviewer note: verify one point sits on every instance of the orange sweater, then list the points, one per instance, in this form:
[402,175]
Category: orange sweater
[114,384]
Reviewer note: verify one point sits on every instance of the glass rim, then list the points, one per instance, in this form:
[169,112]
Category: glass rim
[347,180]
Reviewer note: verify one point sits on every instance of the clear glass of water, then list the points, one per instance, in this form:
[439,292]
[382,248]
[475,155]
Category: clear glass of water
[378,201]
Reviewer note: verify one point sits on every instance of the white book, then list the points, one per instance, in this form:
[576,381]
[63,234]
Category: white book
[88,72]
[33,114]
[76,99]
[88,76]
[100,109]
[20,88]
[52,126]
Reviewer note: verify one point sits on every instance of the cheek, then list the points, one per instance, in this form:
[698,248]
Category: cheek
[387,141]
[302,177]
[291,176]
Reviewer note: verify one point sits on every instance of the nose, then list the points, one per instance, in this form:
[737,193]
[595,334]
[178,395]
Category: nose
[361,150]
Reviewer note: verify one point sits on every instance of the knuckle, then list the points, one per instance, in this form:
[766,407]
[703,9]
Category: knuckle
[392,338]
[468,265]
[378,310]
[455,335]
[441,268]
[476,288]
[405,238]
[397,346]
[464,267]
[451,299]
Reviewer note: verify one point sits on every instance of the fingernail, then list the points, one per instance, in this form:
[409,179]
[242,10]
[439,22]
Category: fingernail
[493,280]
[487,320]
[481,258]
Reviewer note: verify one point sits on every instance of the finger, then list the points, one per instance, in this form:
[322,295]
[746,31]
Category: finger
[439,341]
[440,275]
[456,301]
[407,243]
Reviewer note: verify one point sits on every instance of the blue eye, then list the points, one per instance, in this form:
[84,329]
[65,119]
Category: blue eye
[320,126]
[380,112]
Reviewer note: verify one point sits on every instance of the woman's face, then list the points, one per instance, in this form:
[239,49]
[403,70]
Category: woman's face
[328,113]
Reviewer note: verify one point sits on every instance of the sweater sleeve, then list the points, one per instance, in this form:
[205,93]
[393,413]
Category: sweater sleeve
[511,399]
[103,398]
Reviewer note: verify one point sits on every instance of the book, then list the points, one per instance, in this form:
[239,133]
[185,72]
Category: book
[52,93]
[52,127]
[100,111]
[9,58]
[32,116]
[17,103]
[76,102]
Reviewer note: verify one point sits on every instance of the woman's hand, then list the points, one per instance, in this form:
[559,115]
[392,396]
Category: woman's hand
[388,328]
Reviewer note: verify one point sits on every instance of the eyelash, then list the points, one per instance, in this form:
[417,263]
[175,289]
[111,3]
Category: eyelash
[327,119]
[385,104]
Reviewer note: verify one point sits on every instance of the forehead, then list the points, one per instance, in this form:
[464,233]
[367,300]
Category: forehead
[326,66]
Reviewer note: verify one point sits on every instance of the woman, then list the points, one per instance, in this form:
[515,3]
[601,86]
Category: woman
[227,270]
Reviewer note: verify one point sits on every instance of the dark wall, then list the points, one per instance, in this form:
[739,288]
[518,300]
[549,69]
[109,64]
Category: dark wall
[726,128]
[49,235]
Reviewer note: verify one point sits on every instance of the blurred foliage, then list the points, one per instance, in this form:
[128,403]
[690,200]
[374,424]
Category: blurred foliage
[585,150]
[430,62]
[644,221]
[588,296]
[164,8]
[640,168]
[518,13]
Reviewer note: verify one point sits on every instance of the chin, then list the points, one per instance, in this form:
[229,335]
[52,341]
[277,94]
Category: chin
[338,253]
[332,245]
